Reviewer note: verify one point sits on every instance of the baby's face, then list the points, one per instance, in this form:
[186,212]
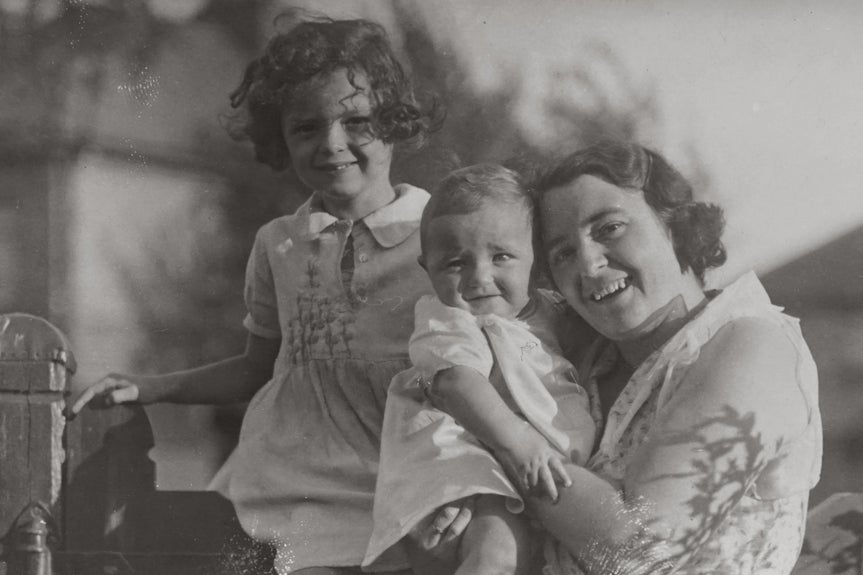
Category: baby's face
[481,261]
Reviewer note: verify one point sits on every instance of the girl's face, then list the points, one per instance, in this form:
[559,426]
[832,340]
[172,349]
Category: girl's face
[332,148]
[611,257]
[481,261]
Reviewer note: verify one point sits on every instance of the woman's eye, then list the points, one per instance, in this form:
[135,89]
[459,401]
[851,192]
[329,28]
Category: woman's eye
[610,230]
[561,255]
[504,257]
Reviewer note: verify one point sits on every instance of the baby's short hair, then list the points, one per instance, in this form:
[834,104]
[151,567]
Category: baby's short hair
[466,190]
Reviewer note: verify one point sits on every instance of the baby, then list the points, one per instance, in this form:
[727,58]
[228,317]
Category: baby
[491,408]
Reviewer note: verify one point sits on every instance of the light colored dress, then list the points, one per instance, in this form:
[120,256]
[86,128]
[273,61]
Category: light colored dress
[303,474]
[427,458]
[764,532]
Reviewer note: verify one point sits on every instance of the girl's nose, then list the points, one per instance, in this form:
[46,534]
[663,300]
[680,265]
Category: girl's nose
[334,139]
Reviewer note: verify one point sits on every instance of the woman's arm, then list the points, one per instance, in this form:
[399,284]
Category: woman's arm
[468,396]
[231,380]
[733,409]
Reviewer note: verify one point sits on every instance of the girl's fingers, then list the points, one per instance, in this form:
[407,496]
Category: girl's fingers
[111,390]
[88,395]
[123,395]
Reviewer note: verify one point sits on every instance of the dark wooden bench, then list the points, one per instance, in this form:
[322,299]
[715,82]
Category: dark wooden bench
[79,498]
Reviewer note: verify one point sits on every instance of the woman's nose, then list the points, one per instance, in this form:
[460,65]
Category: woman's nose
[591,259]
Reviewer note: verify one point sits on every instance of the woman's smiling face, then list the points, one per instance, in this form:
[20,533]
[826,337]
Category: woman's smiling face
[611,257]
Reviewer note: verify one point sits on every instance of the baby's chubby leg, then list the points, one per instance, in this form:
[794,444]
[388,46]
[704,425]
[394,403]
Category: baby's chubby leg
[496,541]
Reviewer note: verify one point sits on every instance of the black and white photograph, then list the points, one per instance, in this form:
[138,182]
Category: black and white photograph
[431,287]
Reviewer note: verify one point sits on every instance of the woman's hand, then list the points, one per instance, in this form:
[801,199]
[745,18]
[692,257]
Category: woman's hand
[434,544]
[532,463]
[113,389]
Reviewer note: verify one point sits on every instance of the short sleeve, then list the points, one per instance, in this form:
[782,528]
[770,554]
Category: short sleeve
[446,337]
[262,318]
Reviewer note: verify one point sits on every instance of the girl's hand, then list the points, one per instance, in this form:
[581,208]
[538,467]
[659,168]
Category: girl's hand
[434,544]
[113,389]
[532,463]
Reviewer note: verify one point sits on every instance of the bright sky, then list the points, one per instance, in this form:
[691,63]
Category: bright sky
[770,93]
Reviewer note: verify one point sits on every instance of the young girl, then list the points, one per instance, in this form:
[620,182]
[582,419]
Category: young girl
[330,292]
[484,353]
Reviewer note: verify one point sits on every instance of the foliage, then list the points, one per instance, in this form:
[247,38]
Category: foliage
[190,303]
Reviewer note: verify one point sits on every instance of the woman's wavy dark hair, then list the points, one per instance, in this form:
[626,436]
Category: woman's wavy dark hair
[319,45]
[696,227]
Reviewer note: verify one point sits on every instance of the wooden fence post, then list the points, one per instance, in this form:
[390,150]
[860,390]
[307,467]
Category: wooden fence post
[35,363]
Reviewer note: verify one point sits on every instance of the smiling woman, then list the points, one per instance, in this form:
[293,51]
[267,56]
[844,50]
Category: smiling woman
[699,468]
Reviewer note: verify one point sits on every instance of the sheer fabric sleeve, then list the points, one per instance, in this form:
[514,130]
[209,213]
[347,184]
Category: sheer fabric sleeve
[262,318]
[445,337]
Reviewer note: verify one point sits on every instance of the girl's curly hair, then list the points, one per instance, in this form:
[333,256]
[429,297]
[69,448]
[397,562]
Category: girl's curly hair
[696,227]
[320,45]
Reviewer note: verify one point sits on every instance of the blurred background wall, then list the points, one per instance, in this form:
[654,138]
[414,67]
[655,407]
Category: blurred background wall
[127,213]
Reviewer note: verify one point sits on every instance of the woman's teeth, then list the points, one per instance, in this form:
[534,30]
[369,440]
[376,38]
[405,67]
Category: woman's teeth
[610,289]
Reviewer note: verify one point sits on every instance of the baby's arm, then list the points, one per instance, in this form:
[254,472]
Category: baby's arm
[528,459]
[451,350]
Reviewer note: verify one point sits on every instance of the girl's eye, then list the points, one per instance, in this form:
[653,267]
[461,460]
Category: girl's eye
[358,124]
[358,121]
[304,128]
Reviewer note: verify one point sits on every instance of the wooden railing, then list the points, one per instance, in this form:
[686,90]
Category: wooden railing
[80,498]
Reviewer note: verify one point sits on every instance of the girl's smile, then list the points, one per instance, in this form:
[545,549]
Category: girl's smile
[333,147]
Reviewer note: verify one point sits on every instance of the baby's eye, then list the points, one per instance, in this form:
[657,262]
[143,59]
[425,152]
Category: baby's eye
[454,264]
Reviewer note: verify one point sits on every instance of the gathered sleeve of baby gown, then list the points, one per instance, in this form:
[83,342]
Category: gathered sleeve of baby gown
[445,337]
[262,318]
